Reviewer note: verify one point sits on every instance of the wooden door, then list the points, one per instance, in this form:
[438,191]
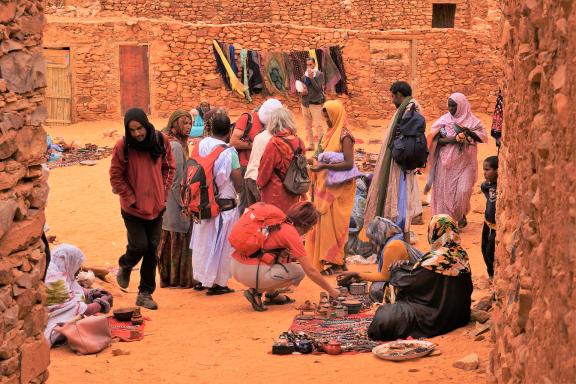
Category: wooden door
[134,80]
[58,86]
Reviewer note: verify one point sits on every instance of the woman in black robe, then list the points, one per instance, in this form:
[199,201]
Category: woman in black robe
[433,296]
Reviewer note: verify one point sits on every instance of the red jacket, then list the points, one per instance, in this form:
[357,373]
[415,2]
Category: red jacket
[142,182]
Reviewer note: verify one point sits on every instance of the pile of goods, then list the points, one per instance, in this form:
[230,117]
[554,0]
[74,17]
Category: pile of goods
[331,326]
[69,155]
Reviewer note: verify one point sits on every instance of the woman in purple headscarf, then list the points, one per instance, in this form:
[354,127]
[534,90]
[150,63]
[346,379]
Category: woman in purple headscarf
[454,167]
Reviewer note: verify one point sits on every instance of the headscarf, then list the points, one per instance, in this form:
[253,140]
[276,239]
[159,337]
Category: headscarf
[65,297]
[201,110]
[446,256]
[267,107]
[464,116]
[337,115]
[173,118]
[151,143]
[303,214]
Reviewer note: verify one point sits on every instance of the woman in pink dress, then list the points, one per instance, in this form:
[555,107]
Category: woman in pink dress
[453,162]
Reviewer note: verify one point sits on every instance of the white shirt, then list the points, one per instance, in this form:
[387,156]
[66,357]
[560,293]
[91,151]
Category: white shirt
[258,147]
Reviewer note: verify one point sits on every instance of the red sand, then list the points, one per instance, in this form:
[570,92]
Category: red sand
[220,339]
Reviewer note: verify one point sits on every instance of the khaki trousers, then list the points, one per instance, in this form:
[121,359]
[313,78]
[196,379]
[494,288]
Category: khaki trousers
[267,277]
[313,122]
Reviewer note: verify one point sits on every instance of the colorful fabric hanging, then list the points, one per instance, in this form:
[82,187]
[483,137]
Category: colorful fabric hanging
[236,84]
[320,62]
[255,80]
[298,60]
[331,72]
[220,66]
[232,59]
[312,53]
[244,63]
[290,79]
[336,55]
[274,71]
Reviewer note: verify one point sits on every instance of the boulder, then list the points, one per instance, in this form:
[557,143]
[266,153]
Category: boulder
[470,362]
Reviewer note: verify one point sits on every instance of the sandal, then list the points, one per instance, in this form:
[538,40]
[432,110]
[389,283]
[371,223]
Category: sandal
[279,300]
[218,290]
[255,299]
[198,287]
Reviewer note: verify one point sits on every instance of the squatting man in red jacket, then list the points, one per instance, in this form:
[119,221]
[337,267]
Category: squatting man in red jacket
[141,173]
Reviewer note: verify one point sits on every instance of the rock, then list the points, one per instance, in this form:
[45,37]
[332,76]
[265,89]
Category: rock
[120,352]
[484,304]
[480,316]
[14,171]
[7,212]
[23,71]
[7,11]
[88,162]
[35,358]
[22,233]
[479,338]
[468,363]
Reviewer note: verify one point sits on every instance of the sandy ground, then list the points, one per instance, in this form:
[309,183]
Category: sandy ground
[220,339]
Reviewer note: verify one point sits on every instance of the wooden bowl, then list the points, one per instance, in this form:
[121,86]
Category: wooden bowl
[124,314]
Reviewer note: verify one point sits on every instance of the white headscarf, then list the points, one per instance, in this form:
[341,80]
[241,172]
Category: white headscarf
[65,261]
[267,107]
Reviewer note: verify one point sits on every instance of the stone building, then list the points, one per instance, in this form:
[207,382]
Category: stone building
[535,321]
[440,46]
[24,353]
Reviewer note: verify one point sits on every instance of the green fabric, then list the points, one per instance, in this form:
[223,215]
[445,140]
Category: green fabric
[235,160]
[244,62]
[56,293]
[274,72]
[384,171]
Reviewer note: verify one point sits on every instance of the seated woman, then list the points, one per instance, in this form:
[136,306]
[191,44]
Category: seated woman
[261,276]
[388,237]
[433,296]
[66,299]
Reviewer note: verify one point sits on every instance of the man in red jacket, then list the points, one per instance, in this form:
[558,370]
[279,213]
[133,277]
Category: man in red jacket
[141,172]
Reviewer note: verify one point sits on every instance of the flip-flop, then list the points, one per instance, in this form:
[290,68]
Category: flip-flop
[249,294]
[219,291]
[279,300]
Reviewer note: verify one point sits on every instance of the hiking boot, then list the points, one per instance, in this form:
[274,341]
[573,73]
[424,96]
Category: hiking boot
[123,277]
[145,300]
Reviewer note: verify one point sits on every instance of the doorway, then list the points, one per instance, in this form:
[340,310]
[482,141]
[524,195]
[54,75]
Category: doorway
[58,85]
[134,78]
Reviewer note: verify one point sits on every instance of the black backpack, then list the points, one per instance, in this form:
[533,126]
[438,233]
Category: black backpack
[410,150]
[296,180]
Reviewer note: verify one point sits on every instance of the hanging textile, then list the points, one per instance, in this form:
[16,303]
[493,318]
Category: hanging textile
[336,55]
[255,80]
[298,60]
[232,60]
[274,71]
[320,62]
[236,84]
[244,63]
[263,58]
[221,68]
[331,72]
[290,78]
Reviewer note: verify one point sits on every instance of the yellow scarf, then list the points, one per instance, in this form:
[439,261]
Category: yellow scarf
[236,84]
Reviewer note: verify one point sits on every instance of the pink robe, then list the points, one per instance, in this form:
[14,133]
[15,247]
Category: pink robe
[454,166]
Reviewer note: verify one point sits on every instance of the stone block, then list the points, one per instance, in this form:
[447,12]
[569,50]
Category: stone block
[7,212]
[13,172]
[7,11]
[22,233]
[34,360]
[23,71]
[470,362]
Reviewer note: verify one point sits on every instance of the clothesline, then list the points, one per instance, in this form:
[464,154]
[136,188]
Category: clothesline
[269,72]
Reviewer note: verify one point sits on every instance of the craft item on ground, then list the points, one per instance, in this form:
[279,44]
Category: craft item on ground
[333,347]
[283,347]
[125,330]
[137,318]
[73,156]
[357,288]
[353,306]
[401,350]
[343,290]
[86,278]
[350,332]
[124,314]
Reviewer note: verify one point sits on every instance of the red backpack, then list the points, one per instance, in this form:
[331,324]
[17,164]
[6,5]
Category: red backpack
[199,190]
[252,229]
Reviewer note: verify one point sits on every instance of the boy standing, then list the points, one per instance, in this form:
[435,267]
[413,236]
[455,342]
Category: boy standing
[489,230]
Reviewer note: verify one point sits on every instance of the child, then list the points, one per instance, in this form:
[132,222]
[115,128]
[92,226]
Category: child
[489,230]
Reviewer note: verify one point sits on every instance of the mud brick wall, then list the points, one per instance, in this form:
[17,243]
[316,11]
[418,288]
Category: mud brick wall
[24,353]
[535,323]
[354,14]
[182,65]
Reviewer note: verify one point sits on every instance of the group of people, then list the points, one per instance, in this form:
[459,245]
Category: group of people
[250,163]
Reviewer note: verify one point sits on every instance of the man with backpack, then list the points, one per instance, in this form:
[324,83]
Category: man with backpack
[209,194]
[141,173]
[394,192]
[247,127]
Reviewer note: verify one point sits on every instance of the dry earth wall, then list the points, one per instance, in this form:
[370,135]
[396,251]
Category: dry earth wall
[351,14]
[24,353]
[535,322]
[182,66]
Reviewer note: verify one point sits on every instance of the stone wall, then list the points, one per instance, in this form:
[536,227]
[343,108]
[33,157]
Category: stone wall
[24,353]
[182,65]
[353,14]
[535,323]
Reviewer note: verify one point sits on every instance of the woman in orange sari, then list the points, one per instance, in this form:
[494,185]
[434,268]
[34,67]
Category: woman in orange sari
[325,242]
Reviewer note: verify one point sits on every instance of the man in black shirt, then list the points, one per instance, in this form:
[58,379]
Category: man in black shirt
[489,230]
